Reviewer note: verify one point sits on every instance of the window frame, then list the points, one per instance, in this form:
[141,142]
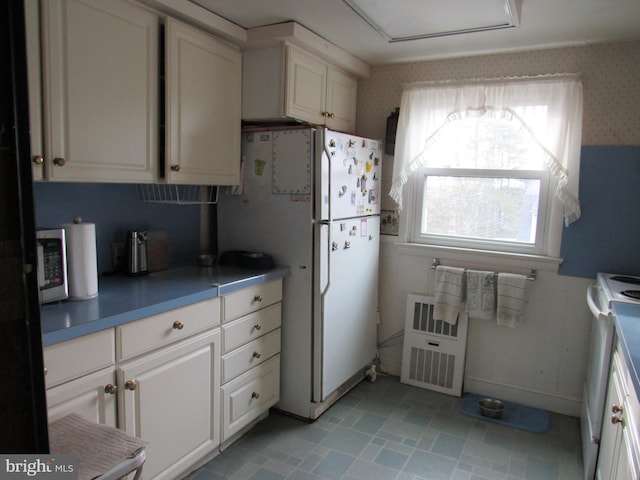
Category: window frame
[543,242]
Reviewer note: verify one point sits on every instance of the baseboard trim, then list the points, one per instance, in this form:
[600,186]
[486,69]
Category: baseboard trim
[514,393]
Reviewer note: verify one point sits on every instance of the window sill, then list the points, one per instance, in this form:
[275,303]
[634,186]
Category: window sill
[470,258]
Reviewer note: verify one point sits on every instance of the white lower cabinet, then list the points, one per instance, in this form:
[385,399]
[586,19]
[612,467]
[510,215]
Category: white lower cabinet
[170,398]
[250,356]
[249,396]
[92,396]
[619,454]
[86,387]
[176,379]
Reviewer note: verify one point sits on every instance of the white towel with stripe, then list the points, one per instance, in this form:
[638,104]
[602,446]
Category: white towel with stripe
[481,287]
[511,298]
[448,293]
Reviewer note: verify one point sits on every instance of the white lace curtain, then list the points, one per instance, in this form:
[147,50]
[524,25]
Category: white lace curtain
[426,107]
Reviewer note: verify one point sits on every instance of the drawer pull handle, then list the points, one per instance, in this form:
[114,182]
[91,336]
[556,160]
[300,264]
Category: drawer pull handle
[257,326]
[255,395]
[257,298]
[616,408]
[130,385]
[256,355]
[178,325]
[110,388]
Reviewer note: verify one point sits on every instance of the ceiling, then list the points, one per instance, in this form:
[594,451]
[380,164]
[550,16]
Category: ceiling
[542,24]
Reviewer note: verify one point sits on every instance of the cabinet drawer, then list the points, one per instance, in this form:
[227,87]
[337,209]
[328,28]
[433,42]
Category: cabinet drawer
[68,360]
[250,395]
[251,299]
[250,355]
[250,327]
[149,333]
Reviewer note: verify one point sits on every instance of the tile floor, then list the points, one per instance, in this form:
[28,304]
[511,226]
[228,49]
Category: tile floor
[388,430]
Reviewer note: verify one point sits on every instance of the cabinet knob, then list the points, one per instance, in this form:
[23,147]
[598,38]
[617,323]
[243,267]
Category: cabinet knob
[255,395]
[175,168]
[38,160]
[617,419]
[257,326]
[130,385]
[330,115]
[256,355]
[59,162]
[257,298]
[178,325]
[46,370]
[110,388]
[616,408]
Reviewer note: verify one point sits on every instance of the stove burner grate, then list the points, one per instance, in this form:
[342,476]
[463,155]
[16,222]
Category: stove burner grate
[635,294]
[626,279]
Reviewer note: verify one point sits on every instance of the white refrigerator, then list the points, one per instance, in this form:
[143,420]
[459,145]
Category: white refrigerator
[310,198]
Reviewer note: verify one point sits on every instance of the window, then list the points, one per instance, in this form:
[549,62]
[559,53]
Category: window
[483,175]
[487,187]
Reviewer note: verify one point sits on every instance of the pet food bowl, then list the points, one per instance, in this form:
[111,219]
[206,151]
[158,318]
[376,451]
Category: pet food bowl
[491,408]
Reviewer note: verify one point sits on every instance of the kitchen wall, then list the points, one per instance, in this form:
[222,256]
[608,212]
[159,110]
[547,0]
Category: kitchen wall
[115,208]
[541,361]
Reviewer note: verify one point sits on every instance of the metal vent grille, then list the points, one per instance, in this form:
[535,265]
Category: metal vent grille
[423,321]
[431,367]
[434,350]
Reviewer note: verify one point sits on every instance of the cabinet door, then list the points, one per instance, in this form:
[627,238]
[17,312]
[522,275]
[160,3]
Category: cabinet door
[611,432]
[203,107]
[342,93]
[93,396]
[172,402]
[306,87]
[100,67]
[32,28]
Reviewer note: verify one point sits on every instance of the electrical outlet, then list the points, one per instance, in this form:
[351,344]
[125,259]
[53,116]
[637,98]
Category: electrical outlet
[118,256]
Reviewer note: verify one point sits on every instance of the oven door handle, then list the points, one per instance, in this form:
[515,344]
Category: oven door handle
[593,305]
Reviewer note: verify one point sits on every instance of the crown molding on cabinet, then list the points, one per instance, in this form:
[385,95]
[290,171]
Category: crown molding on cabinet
[200,17]
[296,34]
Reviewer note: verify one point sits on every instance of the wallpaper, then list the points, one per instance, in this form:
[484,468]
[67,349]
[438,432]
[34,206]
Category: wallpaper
[610,75]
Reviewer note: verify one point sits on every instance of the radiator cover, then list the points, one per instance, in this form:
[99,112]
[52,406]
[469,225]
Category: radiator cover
[434,351]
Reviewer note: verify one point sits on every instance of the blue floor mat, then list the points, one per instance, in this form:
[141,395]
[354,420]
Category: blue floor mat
[515,415]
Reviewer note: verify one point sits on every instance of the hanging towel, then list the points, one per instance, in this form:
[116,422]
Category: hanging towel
[481,288]
[511,298]
[448,293]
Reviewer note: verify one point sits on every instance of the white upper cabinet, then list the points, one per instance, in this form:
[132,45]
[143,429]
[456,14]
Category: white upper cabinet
[203,108]
[32,28]
[100,91]
[288,82]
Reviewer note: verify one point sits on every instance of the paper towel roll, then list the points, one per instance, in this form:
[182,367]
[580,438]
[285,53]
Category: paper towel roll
[82,261]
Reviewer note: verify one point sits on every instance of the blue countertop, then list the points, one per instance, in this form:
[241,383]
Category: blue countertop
[122,299]
[627,322]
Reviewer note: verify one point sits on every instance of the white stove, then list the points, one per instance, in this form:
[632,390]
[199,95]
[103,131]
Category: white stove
[618,288]
[608,289]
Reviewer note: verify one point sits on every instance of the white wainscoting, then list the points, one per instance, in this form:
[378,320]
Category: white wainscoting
[540,363]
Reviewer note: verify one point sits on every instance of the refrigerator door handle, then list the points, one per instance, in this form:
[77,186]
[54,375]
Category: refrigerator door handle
[325,260]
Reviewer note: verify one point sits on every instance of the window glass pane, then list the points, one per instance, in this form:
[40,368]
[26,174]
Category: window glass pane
[483,208]
[487,143]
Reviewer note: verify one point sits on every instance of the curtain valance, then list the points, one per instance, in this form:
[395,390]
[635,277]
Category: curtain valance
[426,107]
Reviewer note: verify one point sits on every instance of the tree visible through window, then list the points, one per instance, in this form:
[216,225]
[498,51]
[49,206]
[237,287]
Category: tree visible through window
[484,184]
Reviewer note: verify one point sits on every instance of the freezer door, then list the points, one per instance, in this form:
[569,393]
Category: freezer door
[345,325]
[349,173]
